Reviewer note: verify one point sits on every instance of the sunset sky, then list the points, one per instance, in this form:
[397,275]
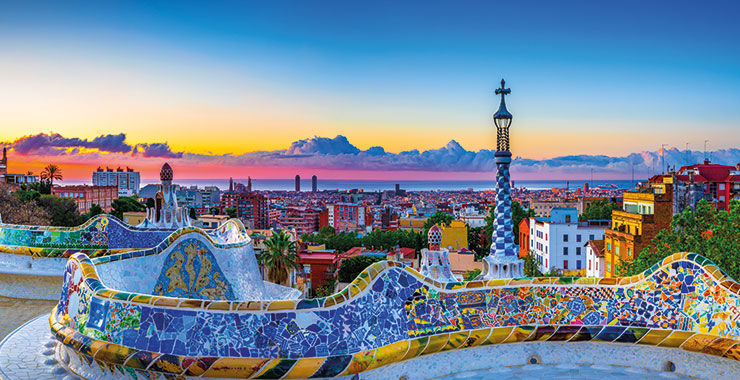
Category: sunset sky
[217,83]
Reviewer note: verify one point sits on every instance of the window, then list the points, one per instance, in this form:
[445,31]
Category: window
[608,246]
[545,263]
[545,236]
[616,249]
[567,219]
[565,237]
[629,251]
[591,237]
[589,265]
[578,238]
[578,250]
[578,264]
[608,267]
[565,264]
[565,250]
[721,186]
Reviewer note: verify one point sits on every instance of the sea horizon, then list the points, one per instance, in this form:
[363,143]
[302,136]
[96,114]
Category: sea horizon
[381,185]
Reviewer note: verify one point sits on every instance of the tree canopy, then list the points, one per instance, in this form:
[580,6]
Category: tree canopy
[707,231]
[377,239]
[600,209]
[62,211]
[126,204]
[280,257]
[351,267]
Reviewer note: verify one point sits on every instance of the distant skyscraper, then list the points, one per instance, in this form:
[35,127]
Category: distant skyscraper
[398,188]
[249,184]
[128,181]
[297,183]
[231,184]
[314,184]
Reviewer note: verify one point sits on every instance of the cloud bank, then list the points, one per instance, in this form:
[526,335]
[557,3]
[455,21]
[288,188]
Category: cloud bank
[339,153]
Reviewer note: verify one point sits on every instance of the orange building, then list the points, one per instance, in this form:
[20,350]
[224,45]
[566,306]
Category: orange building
[524,241]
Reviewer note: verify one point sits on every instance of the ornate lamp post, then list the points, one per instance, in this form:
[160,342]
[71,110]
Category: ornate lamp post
[503,261]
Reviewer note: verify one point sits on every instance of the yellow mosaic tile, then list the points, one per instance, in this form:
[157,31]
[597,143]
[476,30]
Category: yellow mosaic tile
[456,340]
[360,362]
[653,337]
[698,342]
[389,354]
[281,305]
[436,342]
[719,346]
[676,339]
[498,335]
[237,367]
[304,368]
[477,337]
[519,334]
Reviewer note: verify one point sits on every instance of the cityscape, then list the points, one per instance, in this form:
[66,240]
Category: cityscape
[169,216]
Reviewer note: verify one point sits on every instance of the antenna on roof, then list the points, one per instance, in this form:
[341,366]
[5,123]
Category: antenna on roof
[705,149]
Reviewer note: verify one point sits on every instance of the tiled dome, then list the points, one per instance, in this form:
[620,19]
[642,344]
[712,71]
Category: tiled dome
[166,173]
[434,236]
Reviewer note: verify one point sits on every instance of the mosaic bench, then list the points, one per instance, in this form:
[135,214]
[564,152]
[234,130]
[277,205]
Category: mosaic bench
[389,314]
[33,258]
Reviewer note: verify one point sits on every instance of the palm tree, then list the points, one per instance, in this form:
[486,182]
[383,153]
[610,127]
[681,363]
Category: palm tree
[279,257]
[51,172]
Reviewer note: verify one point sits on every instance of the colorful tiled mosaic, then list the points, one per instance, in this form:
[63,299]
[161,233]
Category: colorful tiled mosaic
[101,236]
[388,314]
[191,271]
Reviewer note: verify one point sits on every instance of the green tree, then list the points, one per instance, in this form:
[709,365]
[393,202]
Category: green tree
[193,215]
[353,266]
[15,210]
[150,203]
[279,257]
[50,173]
[471,275]
[599,209]
[231,212]
[531,268]
[126,204]
[707,231]
[440,218]
[95,209]
[474,242]
[326,232]
[517,214]
[62,211]
[327,289]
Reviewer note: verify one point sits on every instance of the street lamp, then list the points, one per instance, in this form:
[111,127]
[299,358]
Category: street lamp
[502,120]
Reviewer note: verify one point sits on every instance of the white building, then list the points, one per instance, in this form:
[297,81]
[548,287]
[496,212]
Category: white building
[558,241]
[128,181]
[595,258]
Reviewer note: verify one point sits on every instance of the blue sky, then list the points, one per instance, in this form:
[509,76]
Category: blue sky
[587,77]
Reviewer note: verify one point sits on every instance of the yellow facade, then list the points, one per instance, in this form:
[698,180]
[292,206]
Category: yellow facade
[454,236]
[412,224]
[134,218]
[643,214]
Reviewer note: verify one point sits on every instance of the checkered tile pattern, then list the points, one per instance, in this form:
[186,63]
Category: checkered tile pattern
[503,229]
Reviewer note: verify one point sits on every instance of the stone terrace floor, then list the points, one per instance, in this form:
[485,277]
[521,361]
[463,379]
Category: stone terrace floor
[15,312]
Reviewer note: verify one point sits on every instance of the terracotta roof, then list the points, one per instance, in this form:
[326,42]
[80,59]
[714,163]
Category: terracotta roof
[597,246]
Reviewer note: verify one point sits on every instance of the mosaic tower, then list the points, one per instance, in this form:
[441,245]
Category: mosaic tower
[503,261]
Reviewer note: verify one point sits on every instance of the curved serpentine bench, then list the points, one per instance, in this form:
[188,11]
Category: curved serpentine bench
[390,313]
[32,258]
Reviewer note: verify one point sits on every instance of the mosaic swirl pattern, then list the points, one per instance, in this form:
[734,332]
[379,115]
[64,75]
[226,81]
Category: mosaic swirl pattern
[100,236]
[388,314]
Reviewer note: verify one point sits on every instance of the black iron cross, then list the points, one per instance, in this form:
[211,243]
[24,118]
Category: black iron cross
[503,91]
